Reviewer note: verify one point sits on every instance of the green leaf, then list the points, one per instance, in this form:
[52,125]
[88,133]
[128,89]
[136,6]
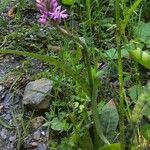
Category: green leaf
[135,91]
[145,131]
[141,56]
[113,54]
[57,125]
[109,120]
[128,14]
[68,2]
[115,146]
[141,105]
[142,33]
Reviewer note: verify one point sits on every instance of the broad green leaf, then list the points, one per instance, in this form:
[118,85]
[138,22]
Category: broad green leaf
[109,120]
[113,54]
[57,125]
[145,131]
[142,33]
[68,2]
[141,105]
[141,56]
[64,66]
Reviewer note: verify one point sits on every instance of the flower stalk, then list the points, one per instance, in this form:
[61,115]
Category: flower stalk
[92,89]
[120,77]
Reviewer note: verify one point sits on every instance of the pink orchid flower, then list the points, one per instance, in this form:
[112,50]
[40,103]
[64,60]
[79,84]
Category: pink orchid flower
[50,10]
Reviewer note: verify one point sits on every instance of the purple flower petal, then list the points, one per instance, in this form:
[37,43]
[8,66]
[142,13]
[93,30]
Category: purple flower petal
[43,19]
[50,9]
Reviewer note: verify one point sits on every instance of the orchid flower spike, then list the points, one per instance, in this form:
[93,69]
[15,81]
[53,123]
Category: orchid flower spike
[50,10]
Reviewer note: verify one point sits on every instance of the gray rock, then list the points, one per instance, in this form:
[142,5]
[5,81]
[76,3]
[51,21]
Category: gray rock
[36,93]
[4,134]
[37,135]
[12,138]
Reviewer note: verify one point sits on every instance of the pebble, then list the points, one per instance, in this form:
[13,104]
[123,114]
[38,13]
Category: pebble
[12,138]
[4,134]
[37,135]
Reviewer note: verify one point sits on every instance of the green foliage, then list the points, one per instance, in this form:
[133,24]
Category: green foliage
[68,2]
[109,120]
[142,33]
[140,56]
[115,146]
[141,105]
[54,61]
[3,4]
[134,92]
[127,15]
[113,54]
[86,141]
[145,131]
[4,124]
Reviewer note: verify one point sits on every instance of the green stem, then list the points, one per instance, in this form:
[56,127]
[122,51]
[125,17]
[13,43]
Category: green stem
[88,9]
[92,88]
[120,77]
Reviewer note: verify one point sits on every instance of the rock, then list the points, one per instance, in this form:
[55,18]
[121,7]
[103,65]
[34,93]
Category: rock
[37,135]
[4,134]
[37,122]
[36,92]
[12,138]
[34,144]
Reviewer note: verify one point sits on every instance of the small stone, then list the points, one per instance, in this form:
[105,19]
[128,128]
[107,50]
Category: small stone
[34,144]
[1,88]
[37,135]
[12,138]
[36,92]
[4,134]
[37,122]
[7,116]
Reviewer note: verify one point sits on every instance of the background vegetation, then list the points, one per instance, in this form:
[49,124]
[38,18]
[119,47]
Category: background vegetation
[101,94]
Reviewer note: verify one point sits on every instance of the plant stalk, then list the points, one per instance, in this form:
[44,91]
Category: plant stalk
[92,89]
[88,9]
[120,77]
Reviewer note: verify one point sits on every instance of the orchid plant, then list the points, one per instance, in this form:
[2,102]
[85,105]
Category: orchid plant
[51,12]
